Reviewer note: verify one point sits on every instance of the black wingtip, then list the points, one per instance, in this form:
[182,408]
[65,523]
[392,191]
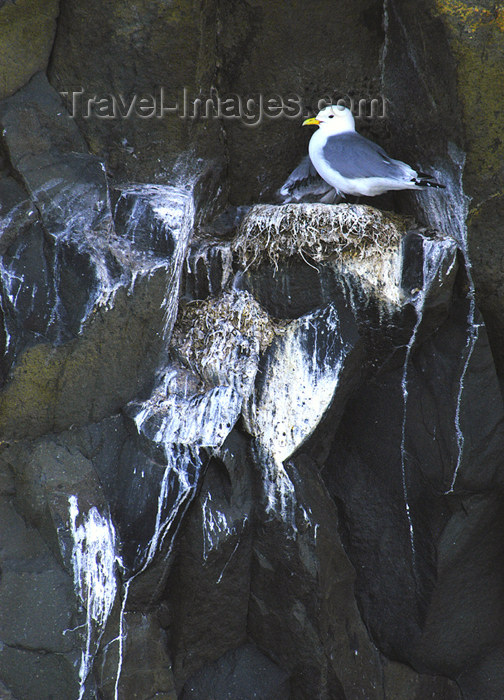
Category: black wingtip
[426,180]
[421,182]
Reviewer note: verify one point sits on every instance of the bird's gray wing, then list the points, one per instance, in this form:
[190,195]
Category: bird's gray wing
[304,184]
[354,156]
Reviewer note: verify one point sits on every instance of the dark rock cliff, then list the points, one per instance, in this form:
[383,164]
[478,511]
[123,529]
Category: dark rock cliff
[248,449]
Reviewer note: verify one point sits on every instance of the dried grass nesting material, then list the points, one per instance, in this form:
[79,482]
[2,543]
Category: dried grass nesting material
[211,331]
[321,231]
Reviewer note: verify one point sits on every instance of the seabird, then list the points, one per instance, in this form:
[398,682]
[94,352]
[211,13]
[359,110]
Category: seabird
[352,163]
[304,184]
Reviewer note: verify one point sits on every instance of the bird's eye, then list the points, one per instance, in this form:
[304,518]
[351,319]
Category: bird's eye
[331,116]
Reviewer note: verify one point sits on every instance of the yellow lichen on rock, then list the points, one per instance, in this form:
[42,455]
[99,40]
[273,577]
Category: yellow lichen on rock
[30,397]
[472,16]
[476,35]
[499,19]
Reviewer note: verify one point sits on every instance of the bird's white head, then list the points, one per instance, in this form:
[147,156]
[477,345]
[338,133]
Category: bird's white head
[334,119]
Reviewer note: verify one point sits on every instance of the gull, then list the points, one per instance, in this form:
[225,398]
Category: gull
[353,164]
[304,184]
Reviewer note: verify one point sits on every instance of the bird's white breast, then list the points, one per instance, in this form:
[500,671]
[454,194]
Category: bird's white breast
[315,149]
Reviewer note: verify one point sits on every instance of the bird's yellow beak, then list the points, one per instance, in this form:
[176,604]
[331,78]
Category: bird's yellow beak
[310,122]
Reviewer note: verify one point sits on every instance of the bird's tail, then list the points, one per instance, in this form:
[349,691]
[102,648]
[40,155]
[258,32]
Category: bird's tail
[424,180]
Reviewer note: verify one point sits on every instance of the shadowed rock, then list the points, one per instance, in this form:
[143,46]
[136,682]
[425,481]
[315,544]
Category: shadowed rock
[84,311]
[310,464]
[239,675]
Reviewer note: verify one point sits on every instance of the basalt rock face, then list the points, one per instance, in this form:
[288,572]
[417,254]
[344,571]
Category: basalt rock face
[246,53]
[216,520]
[257,454]
[78,300]
[27,23]
[469,29]
[432,67]
[156,54]
[441,61]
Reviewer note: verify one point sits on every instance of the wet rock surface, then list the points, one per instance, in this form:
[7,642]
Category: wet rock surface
[248,450]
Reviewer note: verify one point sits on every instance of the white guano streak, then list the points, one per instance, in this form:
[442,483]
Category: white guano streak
[94,562]
[178,459]
[299,389]
[434,254]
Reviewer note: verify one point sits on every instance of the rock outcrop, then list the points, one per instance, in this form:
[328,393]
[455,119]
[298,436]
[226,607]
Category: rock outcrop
[27,31]
[248,449]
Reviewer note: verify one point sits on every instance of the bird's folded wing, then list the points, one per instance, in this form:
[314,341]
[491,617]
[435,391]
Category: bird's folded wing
[354,156]
[304,184]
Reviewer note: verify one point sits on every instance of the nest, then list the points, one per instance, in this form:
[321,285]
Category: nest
[323,232]
[221,338]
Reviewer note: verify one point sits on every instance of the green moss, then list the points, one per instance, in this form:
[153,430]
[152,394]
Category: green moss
[476,35]
[28,402]
[92,376]
[26,36]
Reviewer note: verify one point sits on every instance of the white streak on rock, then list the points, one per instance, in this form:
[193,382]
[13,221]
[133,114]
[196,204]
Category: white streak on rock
[179,460]
[439,256]
[296,388]
[449,214]
[204,419]
[94,562]
[214,525]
